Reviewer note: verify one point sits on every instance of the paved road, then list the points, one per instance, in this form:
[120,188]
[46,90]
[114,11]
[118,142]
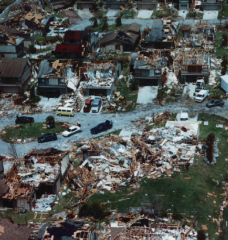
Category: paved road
[89,120]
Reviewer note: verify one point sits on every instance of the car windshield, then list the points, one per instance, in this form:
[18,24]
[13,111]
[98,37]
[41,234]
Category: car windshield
[199,95]
[68,130]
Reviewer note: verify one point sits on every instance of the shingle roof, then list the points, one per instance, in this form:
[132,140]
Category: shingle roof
[12,67]
[133,27]
[9,231]
[125,37]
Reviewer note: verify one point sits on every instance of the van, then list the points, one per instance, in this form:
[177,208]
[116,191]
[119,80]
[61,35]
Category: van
[65,111]
[184,116]
[201,95]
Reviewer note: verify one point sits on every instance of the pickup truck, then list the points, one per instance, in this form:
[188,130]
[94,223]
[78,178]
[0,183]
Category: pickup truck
[47,137]
[201,95]
[199,86]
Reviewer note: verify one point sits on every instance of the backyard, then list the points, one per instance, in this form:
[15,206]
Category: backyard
[188,197]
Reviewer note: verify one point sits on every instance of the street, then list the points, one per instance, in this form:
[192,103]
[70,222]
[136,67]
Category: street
[89,120]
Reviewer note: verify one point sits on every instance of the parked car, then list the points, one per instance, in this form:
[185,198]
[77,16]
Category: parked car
[96,104]
[215,102]
[24,120]
[88,105]
[184,116]
[70,131]
[101,127]
[47,137]
[201,95]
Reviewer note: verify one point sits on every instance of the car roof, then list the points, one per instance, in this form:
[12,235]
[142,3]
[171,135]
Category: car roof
[73,127]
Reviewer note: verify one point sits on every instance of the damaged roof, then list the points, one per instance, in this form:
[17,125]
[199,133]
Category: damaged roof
[12,67]
[133,27]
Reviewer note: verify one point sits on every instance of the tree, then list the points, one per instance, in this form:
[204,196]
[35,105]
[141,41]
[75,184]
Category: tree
[32,92]
[104,20]
[118,20]
[93,20]
[50,121]
[224,40]
[210,147]
[201,235]
[224,65]
[12,150]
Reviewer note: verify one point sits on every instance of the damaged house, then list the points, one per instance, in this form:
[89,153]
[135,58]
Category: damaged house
[69,230]
[193,65]
[99,77]
[77,44]
[11,46]
[163,34]
[87,4]
[122,40]
[147,4]
[57,4]
[52,77]
[14,75]
[212,5]
[39,173]
[118,4]
[147,67]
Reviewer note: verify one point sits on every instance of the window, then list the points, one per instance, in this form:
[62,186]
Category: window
[117,47]
[53,81]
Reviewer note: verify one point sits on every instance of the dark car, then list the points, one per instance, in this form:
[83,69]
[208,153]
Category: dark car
[101,127]
[215,102]
[47,137]
[24,120]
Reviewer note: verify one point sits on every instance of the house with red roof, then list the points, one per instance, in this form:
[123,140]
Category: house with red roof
[77,44]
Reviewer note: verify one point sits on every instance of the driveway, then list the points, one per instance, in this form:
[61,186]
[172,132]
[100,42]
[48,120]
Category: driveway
[145,14]
[112,13]
[147,94]
[210,15]
[182,13]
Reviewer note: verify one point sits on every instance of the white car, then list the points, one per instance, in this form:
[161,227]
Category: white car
[70,131]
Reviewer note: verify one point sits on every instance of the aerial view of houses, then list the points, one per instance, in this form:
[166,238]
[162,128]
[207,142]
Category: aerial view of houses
[113,120]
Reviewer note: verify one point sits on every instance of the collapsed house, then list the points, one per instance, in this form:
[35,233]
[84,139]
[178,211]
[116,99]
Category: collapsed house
[199,36]
[114,162]
[34,21]
[99,77]
[77,44]
[69,230]
[11,46]
[122,40]
[52,77]
[192,65]
[147,67]
[163,34]
[142,227]
[14,75]
[33,177]
[56,4]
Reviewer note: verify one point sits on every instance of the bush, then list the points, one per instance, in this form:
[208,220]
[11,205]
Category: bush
[210,147]
[50,121]
[94,210]
[134,85]
[201,235]
[35,99]
[32,49]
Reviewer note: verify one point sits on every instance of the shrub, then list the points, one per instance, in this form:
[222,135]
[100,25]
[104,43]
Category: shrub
[201,235]
[94,210]
[210,147]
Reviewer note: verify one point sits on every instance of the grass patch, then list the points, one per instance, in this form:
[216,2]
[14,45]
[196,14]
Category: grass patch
[215,92]
[195,15]
[25,131]
[129,14]
[39,38]
[48,9]
[111,27]
[220,51]
[184,195]
[17,217]
[224,13]
[163,13]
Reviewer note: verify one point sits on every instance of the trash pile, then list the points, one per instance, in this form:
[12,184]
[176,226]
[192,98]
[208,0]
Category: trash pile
[44,204]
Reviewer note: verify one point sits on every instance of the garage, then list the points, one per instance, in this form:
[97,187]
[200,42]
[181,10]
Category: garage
[148,82]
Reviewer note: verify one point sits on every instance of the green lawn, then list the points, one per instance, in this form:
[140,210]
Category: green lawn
[184,195]
[195,15]
[129,14]
[111,27]
[42,39]
[220,51]
[163,13]
[223,14]
[24,131]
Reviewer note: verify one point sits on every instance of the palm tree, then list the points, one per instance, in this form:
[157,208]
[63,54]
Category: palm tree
[104,20]
[94,21]
[118,20]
